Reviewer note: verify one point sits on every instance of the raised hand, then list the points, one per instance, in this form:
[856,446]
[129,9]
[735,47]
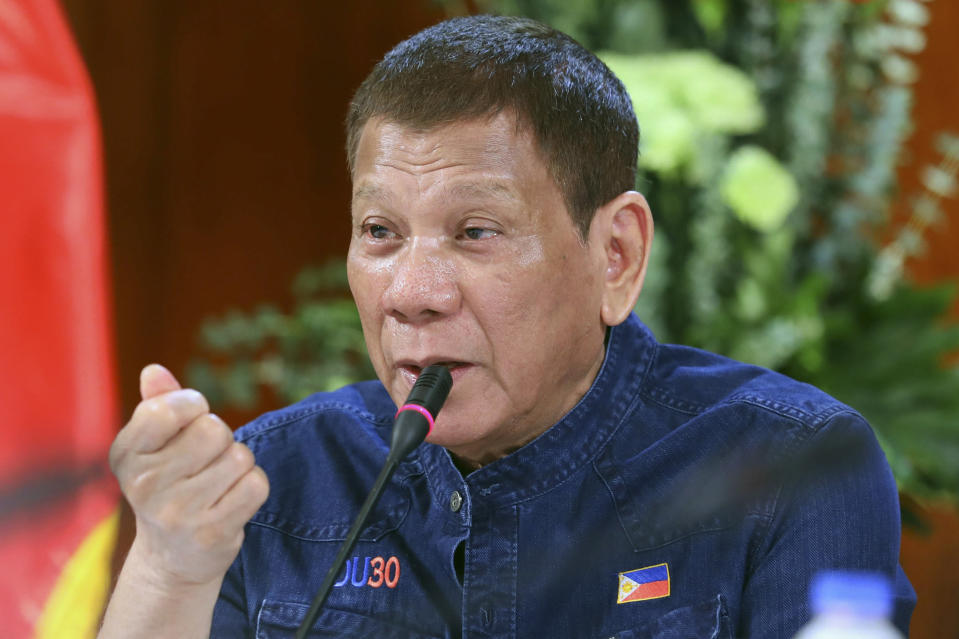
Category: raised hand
[192,489]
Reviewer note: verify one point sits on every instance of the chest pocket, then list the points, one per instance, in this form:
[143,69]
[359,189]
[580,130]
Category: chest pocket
[279,619]
[707,620]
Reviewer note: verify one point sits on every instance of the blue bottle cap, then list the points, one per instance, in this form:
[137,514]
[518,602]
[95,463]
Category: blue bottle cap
[864,594]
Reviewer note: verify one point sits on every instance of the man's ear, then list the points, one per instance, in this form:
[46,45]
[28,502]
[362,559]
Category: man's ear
[623,229]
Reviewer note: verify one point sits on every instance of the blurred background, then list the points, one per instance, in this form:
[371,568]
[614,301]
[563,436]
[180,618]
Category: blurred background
[800,159]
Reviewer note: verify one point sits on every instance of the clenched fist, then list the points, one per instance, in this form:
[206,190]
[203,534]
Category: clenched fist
[191,487]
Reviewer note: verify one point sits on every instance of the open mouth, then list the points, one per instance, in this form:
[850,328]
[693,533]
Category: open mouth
[413,368]
[412,371]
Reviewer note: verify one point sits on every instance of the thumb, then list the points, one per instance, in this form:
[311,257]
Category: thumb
[156,380]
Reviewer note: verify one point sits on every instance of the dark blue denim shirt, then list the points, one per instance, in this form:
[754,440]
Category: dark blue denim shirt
[685,495]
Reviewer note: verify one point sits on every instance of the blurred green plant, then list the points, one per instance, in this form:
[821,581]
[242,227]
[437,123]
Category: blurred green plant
[317,346]
[771,132]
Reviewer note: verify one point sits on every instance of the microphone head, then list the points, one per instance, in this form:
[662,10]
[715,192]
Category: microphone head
[414,419]
[431,388]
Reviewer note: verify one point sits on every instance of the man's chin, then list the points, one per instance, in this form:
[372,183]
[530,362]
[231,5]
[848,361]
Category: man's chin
[450,436]
[465,441]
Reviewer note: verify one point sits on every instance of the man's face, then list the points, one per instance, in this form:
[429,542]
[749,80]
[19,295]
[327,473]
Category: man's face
[463,253]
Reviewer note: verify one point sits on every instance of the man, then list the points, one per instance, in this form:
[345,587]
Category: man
[581,481]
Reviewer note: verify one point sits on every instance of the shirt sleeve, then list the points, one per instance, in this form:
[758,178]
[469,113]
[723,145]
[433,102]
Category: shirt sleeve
[230,618]
[837,508]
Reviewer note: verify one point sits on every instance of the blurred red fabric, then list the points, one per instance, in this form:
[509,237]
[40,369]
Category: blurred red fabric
[57,380]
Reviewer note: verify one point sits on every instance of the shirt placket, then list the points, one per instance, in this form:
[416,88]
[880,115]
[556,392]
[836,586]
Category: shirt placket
[489,583]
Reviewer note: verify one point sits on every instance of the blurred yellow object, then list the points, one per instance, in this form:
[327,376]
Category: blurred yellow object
[74,607]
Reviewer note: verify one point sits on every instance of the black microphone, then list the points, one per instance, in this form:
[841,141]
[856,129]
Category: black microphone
[413,422]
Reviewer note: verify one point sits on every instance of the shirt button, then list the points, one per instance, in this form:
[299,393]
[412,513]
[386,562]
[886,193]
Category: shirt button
[456,500]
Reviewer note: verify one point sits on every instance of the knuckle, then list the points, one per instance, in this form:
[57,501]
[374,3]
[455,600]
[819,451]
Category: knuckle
[222,424]
[140,487]
[194,399]
[154,410]
[151,425]
[258,485]
[241,457]
[220,434]
[210,434]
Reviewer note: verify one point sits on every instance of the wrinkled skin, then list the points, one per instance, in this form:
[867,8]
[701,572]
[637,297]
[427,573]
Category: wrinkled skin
[463,252]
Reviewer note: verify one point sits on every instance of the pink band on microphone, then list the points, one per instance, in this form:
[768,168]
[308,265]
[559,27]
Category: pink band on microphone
[422,411]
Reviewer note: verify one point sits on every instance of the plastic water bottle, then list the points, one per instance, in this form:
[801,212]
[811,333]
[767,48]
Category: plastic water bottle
[850,605]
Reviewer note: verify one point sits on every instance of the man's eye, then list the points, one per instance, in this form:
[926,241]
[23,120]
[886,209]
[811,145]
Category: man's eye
[475,233]
[378,232]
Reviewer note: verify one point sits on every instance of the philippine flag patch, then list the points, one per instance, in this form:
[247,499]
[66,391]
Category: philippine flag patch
[646,583]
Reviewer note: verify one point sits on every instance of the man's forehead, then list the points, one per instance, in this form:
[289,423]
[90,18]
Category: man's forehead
[468,189]
[504,129]
[495,147]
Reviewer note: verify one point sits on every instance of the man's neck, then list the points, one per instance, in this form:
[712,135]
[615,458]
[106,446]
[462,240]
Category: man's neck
[467,464]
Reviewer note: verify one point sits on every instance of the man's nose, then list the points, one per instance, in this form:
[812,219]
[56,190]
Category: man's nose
[423,285]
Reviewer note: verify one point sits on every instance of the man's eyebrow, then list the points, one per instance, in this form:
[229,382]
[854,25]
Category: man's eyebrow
[371,192]
[486,189]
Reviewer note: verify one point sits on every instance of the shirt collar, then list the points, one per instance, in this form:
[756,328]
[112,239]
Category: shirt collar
[573,441]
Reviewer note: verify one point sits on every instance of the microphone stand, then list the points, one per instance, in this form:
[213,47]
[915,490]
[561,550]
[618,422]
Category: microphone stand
[347,547]
[414,421]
